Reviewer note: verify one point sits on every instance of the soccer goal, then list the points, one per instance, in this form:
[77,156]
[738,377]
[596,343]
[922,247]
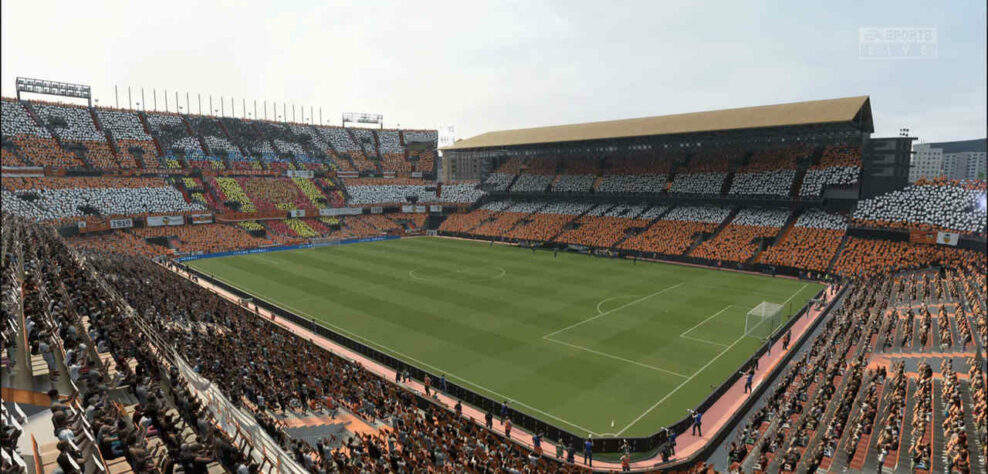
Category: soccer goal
[762,320]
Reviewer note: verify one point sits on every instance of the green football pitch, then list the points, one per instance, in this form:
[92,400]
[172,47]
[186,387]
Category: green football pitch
[591,345]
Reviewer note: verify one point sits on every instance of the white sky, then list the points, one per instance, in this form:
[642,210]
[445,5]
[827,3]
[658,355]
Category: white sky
[485,66]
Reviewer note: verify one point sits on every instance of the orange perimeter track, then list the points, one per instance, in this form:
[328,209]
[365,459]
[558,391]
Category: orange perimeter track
[686,444]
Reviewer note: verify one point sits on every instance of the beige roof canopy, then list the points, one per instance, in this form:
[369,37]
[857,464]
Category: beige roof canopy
[781,115]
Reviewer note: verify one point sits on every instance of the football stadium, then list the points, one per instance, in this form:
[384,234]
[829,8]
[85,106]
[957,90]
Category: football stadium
[757,287]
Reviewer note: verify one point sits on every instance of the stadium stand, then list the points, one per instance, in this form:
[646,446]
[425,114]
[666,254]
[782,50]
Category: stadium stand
[885,384]
[54,198]
[396,194]
[927,206]
[810,244]
[75,128]
[840,166]
[677,230]
[737,241]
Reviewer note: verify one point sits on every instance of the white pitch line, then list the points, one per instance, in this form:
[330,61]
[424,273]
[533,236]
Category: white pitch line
[612,356]
[796,293]
[611,298]
[702,340]
[705,320]
[437,369]
[643,298]
[691,377]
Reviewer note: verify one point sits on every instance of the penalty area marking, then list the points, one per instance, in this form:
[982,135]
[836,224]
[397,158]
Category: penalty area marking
[455,274]
[612,298]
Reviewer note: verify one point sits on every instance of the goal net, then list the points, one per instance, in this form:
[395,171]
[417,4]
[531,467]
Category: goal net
[762,320]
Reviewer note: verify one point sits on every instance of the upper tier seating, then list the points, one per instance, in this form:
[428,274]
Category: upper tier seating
[17,121]
[637,184]
[763,183]
[926,207]
[55,198]
[499,181]
[174,136]
[391,194]
[839,165]
[531,183]
[573,183]
[390,142]
[697,183]
[69,122]
[123,124]
[75,127]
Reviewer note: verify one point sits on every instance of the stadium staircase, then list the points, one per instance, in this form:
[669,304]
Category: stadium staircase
[703,238]
[353,138]
[142,117]
[779,237]
[866,448]
[198,137]
[938,461]
[974,440]
[229,136]
[213,192]
[377,144]
[816,156]
[109,139]
[840,248]
[726,186]
[652,222]
[797,183]
[845,449]
[566,227]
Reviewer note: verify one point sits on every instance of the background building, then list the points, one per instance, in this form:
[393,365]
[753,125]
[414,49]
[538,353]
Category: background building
[955,160]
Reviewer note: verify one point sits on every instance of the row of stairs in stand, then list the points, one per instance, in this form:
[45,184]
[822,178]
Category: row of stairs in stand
[779,237]
[701,238]
[154,138]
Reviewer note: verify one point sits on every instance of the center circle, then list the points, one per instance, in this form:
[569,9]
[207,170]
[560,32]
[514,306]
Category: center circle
[471,273]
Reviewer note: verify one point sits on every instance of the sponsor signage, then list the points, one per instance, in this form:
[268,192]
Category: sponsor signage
[341,211]
[202,218]
[435,208]
[158,221]
[300,173]
[297,212]
[377,210]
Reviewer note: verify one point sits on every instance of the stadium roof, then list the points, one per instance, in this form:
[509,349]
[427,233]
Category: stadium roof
[846,109]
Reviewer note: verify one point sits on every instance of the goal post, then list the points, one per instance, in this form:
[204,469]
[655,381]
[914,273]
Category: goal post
[762,320]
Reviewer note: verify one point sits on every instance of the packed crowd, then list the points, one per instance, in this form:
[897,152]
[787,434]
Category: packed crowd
[291,374]
[840,408]
[398,194]
[810,244]
[934,206]
[739,240]
[55,198]
[71,136]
